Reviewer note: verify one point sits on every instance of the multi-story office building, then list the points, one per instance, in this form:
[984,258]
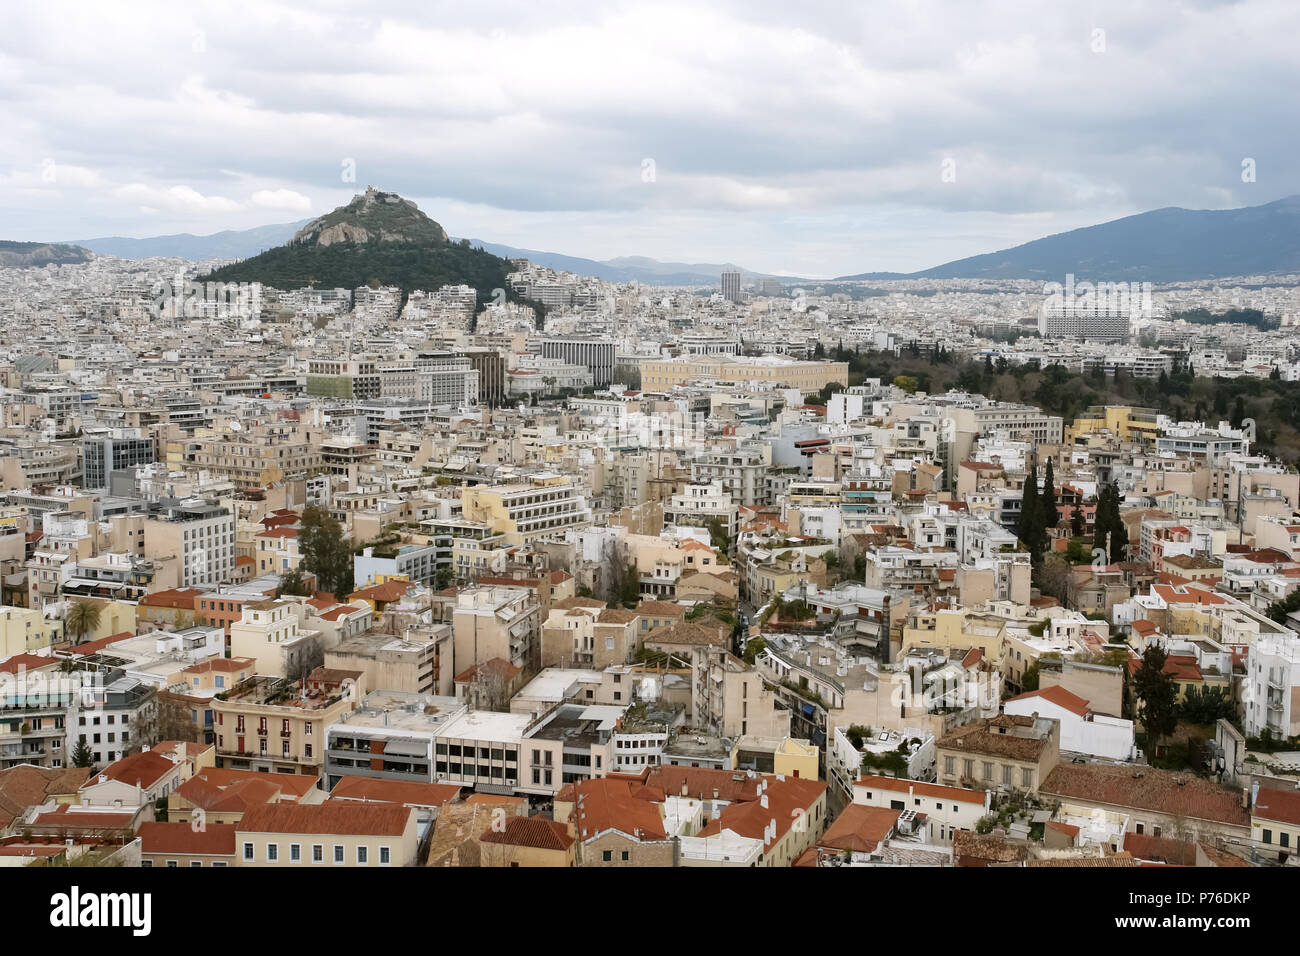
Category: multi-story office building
[731,287]
[390,736]
[338,378]
[597,355]
[107,450]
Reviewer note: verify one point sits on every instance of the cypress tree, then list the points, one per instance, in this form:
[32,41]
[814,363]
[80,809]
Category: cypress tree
[1051,513]
[1031,517]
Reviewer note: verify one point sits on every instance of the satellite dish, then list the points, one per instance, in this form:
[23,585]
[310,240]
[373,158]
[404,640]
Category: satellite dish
[235,426]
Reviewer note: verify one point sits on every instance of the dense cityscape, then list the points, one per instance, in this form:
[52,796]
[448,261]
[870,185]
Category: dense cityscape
[355,541]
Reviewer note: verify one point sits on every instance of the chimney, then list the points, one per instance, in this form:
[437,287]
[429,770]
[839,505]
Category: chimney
[763,801]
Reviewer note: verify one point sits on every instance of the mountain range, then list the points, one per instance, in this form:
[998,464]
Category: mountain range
[1162,245]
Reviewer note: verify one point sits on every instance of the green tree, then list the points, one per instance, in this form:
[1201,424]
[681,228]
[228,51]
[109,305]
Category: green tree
[1206,705]
[1279,610]
[81,618]
[1030,529]
[1076,522]
[1157,695]
[1109,527]
[326,553]
[1051,513]
[907,383]
[81,755]
[291,582]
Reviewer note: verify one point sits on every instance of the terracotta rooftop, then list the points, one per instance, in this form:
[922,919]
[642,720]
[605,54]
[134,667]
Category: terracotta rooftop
[533,832]
[339,817]
[182,839]
[1146,788]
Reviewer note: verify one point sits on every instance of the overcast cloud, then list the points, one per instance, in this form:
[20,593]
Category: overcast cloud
[807,139]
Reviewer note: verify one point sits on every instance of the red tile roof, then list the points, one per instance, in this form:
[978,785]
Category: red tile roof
[343,817]
[145,768]
[182,839]
[1146,788]
[535,832]
[860,828]
[408,792]
[1282,806]
[1059,696]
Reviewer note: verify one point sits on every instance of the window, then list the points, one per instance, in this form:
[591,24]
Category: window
[363,854]
[608,855]
[1268,836]
[385,856]
[1027,779]
[317,853]
[949,764]
[248,852]
[338,852]
[272,852]
[295,852]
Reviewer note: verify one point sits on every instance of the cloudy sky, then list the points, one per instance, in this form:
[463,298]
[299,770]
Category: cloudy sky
[813,139]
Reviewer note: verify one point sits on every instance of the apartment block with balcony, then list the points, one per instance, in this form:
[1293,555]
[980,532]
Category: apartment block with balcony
[278,725]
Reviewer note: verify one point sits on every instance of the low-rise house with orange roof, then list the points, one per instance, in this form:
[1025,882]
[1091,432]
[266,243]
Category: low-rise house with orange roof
[942,811]
[27,786]
[141,778]
[195,756]
[175,607]
[427,799]
[183,845]
[527,841]
[856,834]
[215,795]
[276,550]
[1005,752]
[1275,823]
[111,824]
[1149,801]
[1082,731]
[789,816]
[330,834]
[617,822]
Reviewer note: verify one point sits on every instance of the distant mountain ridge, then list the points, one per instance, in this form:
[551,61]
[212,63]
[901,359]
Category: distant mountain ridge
[228,244]
[31,255]
[1164,245]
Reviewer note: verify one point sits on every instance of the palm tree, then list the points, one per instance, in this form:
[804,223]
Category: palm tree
[83,616]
